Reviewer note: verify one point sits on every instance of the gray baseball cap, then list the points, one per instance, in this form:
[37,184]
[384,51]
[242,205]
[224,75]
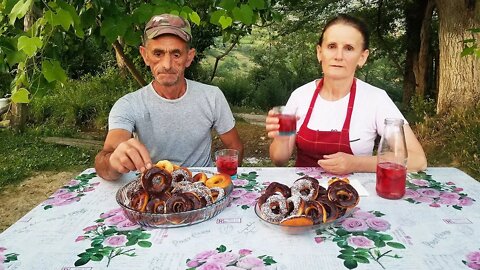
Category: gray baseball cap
[168,24]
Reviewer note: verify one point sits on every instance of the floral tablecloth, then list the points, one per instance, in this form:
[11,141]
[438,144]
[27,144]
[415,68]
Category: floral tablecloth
[435,226]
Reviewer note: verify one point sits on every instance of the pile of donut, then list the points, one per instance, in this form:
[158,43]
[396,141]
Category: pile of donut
[306,202]
[168,188]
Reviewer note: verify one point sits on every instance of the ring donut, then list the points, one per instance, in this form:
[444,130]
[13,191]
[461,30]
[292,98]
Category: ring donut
[297,221]
[181,174]
[166,165]
[200,177]
[219,180]
[306,187]
[155,181]
[342,194]
[316,211]
[139,200]
[275,208]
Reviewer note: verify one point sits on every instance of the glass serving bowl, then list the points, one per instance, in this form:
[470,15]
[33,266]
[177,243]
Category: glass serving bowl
[300,229]
[171,220]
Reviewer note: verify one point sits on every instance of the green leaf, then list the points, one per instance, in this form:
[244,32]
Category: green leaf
[144,244]
[361,259]
[341,232]
[19,10]
[350,264]
[396,245]
[225,21]
[29,45]
[247,14]
[257,4]
[227,4]
[347,251]
[215,17]
[20,96]
[82,261]
[194,17]
[96,257]
[222,248]
[385,237]
[63,18]
[52,71]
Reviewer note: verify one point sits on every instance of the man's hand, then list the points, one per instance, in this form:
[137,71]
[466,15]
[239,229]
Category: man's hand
[130,155]
[338,163]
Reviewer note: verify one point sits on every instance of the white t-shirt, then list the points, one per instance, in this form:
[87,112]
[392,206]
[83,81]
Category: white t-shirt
[372,105]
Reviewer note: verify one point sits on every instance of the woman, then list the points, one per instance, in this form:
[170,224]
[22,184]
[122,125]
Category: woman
[340,116]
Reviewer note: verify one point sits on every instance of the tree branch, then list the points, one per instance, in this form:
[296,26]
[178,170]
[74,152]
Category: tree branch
[130,66]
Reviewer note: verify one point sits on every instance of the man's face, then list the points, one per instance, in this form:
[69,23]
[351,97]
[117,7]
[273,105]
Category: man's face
[167,56]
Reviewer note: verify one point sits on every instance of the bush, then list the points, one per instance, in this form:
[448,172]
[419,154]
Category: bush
[452,140]
[81,104]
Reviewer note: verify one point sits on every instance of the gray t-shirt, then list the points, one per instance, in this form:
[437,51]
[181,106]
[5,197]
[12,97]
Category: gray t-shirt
[177,130]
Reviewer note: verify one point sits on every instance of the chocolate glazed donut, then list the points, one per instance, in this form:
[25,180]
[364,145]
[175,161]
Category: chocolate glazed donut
[332,211]
[273,188]
[342,194]
[316,211]
[179,203]
[156,180]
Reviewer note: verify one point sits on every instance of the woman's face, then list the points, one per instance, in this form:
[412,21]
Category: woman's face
[341,51]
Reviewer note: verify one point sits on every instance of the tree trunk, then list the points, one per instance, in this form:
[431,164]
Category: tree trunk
[19,112]
[418,40]
[120,61]
[129,64]
[458,86]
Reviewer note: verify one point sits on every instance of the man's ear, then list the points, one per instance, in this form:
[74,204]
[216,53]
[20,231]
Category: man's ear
[143,52]
[190,57]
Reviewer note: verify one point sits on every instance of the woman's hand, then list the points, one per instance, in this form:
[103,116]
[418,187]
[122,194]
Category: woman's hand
[271,124]
[338,163]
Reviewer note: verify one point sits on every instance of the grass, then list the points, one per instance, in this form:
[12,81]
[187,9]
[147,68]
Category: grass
[24,154]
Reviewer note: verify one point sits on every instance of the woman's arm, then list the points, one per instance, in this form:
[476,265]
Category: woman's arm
[417,160]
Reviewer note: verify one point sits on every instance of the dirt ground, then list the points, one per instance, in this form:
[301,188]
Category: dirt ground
[18,200]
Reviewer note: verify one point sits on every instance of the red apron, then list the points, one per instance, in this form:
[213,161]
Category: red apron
[312,145]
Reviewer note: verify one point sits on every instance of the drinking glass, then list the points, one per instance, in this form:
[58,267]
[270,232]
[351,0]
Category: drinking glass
[227,161]
[287,119]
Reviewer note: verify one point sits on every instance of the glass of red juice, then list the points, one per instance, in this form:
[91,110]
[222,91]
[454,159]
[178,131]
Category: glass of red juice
[287,119]
[391,178]
[227,161]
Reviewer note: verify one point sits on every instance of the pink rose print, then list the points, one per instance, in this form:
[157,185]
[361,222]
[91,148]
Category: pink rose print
[436,205]
[251,195]
[424,199]
[434,193]
[360,241]
[449,195]
[237,192]
[428,192]
[90,228]
[127,225]
[212,266]
[220,258]
[465,201]
[111,213]
[80,238]
[354,225]
[224,258]
[115,240]
[410,193]
[319,240]
[378,224]
[244,252]
[203,256]
[420,182]
[362,215]
[114,220]
[473,260]
[249,262]
[72,191]
[240,182]
[73,182]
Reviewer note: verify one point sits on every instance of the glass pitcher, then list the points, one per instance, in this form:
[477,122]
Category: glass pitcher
[392,160]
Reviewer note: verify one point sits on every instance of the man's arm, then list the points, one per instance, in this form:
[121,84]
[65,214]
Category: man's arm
[120,154]
[231,140]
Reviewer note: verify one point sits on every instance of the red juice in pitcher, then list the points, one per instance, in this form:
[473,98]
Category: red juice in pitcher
[227,165]
[288,124]
[391,178]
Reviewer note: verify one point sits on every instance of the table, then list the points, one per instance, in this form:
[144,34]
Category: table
[435,226]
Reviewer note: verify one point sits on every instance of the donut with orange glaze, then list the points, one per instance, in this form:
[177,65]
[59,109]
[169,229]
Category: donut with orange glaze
[219,180]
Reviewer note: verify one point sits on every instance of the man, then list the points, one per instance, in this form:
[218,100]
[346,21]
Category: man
[171,117]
